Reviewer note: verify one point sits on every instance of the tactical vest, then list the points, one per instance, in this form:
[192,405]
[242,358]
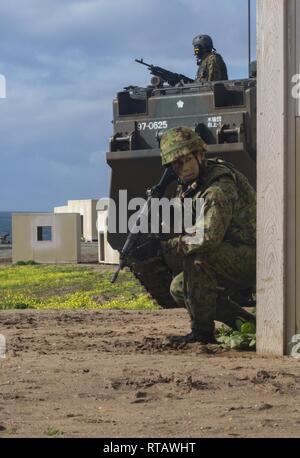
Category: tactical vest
[208,175]
[203,70]
[243,226]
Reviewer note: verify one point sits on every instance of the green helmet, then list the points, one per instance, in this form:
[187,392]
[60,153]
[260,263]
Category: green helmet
[204,42]
[179,142]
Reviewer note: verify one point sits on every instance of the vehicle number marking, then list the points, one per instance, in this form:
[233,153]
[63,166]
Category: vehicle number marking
[152,125]
[214,121]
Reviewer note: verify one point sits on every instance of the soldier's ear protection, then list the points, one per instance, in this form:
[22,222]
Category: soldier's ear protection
[196,51]
[199,52]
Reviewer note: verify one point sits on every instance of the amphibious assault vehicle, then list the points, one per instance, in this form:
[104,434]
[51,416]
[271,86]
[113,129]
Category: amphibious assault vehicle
[223,113]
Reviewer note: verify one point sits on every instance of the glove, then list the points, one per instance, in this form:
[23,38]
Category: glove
[149,248]
[172,245]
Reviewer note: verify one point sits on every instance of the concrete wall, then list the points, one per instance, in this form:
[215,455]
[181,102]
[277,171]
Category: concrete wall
[86,208]
[63,209]
[293,168]
[64,246]
[107,255]
[278,169]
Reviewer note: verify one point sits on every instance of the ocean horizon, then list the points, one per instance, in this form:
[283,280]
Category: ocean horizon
[6,221]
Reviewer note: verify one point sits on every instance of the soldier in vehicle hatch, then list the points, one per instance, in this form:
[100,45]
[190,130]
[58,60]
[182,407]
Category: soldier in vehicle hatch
[211,65]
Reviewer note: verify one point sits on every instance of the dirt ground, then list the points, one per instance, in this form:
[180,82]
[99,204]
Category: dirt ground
[114,374]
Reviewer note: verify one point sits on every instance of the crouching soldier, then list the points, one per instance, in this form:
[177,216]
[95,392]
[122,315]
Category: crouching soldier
[223,262]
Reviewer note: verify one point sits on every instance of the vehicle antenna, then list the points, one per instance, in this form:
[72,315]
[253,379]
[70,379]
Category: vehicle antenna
[249,38]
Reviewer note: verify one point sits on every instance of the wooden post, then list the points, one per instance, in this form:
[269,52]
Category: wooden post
[295,126]
[278,195]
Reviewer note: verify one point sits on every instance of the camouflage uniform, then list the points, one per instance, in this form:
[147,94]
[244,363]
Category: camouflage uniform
[226,258]
[212,68]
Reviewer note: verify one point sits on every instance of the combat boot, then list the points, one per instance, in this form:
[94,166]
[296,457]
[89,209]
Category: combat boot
[192,338]
[232,314]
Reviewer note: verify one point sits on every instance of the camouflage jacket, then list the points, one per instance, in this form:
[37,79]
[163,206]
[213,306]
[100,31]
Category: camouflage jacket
[229,209]
[212,68]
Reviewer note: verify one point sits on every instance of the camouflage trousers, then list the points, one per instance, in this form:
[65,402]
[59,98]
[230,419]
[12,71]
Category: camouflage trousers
[231,268]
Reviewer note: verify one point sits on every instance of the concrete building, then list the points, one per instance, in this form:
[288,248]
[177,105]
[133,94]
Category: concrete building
[88,213]
[46,237]
[107,255]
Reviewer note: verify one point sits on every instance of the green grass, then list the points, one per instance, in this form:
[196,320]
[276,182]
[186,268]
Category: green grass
[244,339]
[52,431]
[68,287]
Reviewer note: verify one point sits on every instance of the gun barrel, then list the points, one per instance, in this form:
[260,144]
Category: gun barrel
[141,61]
[115,275]
[166,75]
[133,237]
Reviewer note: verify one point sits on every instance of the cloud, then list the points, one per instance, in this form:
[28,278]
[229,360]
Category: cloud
[65,61]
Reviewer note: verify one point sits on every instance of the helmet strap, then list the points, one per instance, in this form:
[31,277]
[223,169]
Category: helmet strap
[198,162]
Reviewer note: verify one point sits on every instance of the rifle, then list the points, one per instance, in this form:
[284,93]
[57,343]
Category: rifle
[133,238]
[165,75]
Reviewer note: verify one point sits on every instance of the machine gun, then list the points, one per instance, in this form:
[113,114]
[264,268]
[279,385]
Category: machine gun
[161,75]
[135,236]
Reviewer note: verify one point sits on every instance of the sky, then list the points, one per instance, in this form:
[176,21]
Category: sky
[65,60]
